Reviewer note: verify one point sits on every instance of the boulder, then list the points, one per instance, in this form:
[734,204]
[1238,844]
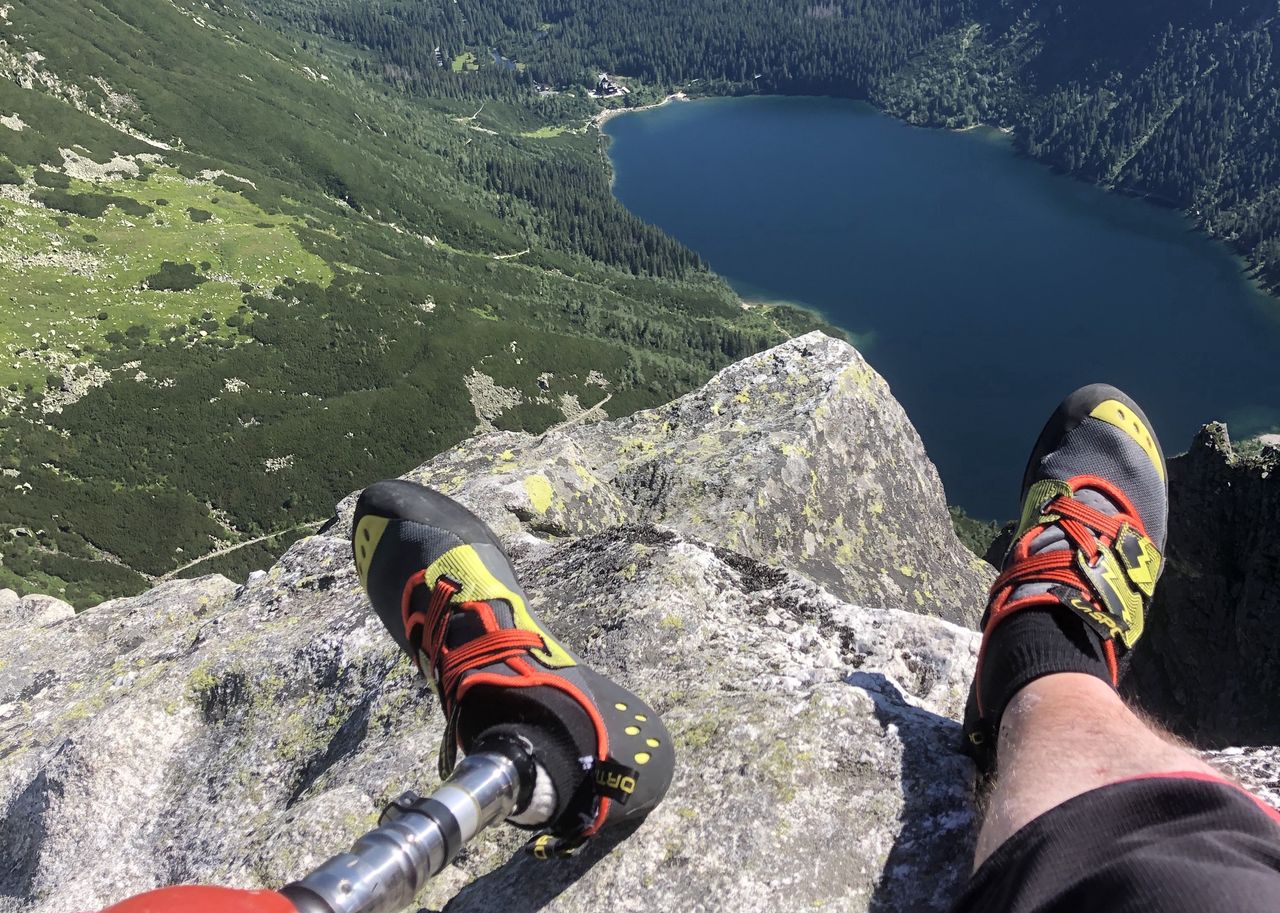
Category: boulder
[799,457]
[240,736]
[33,611]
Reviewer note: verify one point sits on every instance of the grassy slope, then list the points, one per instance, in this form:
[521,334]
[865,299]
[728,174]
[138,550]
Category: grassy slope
[74,280]
[352,286]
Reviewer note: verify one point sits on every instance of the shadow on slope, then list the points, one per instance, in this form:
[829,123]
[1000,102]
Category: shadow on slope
[525,884]
[929,862]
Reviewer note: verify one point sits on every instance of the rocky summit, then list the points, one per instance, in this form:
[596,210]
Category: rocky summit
[742,558]
[799,457]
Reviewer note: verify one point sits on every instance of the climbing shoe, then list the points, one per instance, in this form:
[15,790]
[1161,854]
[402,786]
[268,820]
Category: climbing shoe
[444,588]
[1076,583]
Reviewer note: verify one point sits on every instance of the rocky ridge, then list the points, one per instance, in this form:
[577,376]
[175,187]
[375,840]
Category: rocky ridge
[240,734]
[1210,666]
[799,457]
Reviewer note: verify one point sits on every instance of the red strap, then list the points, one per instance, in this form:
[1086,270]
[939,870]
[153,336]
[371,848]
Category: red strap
[427,633]
[486,650]
[199,899]
[1085,529]
[1203,777]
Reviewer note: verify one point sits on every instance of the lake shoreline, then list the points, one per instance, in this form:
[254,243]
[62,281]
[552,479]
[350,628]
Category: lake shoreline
[860,341]
[1252,272]
[926,247]
[603,117]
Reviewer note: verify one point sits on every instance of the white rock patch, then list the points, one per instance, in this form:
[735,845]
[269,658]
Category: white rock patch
[489,399]
[74,387]
[208,176]
[86,169]
[278,464]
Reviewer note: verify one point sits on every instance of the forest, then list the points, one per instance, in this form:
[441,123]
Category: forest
[1175,101]
[288,286]
[333,215]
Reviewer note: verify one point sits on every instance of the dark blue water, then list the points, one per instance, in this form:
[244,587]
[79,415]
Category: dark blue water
[983,286]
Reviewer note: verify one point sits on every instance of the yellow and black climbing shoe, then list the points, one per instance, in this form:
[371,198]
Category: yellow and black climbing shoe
[1079,576]
[444,588]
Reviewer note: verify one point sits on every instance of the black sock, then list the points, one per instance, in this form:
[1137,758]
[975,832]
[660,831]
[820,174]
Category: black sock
[1031,644]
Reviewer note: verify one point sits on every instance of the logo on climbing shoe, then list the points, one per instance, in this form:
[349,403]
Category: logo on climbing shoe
[616,781]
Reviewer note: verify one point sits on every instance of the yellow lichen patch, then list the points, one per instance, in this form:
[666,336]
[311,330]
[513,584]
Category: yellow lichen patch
[907,570]
[812,502]
[584,476]
[636,444]
[540,493]
[856,375]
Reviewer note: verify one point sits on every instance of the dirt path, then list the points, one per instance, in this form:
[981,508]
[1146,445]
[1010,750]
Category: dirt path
[235,548]
[596,410]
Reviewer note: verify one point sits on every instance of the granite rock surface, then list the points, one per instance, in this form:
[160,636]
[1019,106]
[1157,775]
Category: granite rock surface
[736,557]
[799,457]
[1209,664]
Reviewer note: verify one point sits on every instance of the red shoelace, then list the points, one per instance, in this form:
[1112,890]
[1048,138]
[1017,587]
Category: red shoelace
[1088,531]
[427,632]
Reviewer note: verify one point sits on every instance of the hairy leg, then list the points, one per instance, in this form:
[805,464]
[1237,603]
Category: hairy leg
[1063,735]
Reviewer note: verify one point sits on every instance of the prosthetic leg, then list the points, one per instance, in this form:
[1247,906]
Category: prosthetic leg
[550,745]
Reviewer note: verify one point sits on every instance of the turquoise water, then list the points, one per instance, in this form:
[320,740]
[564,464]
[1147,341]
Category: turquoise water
[983,286]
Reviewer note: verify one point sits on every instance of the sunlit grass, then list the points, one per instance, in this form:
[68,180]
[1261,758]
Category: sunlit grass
[546,132]
[464,61]
[69,281]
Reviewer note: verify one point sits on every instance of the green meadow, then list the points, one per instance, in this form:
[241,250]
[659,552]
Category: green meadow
[242,276]
[75,282]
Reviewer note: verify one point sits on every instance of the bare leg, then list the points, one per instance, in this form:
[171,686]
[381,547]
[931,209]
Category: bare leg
[1063,735]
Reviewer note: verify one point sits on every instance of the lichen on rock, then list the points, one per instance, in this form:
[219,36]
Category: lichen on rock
[239,735]
[204,732]
[799,457]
